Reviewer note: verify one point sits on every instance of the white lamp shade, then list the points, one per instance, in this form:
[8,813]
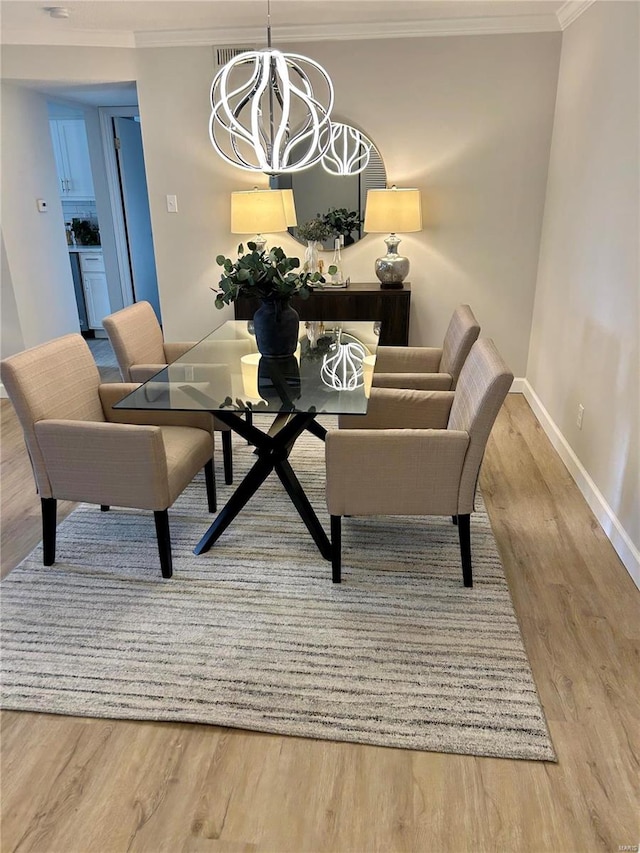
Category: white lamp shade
[393,210]
[289,207]
[257,212]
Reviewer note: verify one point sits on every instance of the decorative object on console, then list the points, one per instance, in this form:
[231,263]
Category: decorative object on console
[315,232]
[349,150]
[393,210]
[269,110]
[337,278]
[271,277]
[342,223]
[254,211]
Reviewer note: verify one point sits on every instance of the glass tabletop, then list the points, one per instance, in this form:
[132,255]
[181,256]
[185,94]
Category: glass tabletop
[330,373]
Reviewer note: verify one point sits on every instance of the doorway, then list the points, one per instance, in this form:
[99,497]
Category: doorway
[127,183]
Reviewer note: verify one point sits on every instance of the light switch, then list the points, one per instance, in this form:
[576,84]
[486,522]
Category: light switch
[172,203]
[42,205]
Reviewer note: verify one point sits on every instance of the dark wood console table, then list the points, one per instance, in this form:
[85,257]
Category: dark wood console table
[359,301]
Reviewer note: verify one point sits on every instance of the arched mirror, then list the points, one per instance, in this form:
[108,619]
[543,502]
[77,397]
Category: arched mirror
[338,200]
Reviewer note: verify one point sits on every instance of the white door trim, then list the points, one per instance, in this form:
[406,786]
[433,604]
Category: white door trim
[113,182]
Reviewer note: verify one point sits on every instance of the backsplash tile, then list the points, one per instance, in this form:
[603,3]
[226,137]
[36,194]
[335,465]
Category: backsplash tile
[80,210]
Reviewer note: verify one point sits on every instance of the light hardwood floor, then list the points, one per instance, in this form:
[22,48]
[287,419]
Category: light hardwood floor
[71,785]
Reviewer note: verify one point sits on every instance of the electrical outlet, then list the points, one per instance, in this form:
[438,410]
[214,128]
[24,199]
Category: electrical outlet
[580,415]
[42,205]
[172,203]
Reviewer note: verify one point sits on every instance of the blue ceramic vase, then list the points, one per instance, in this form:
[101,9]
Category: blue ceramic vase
[276,326]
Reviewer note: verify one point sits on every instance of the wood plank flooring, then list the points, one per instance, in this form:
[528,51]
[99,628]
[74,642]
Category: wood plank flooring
[73,785]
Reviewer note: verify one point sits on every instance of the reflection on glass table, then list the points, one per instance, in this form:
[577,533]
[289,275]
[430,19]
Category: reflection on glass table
[221,373]
[224,374]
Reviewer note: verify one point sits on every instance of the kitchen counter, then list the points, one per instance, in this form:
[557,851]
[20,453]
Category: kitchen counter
[84,248]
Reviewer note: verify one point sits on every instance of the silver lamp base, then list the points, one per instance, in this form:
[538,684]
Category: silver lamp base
[392,268]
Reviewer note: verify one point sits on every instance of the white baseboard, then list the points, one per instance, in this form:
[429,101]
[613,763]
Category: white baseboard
[3,391]
[607,518]
[517,386]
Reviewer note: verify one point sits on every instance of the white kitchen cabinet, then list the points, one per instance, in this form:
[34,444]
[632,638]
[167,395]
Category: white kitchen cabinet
[94,284]
[71,152]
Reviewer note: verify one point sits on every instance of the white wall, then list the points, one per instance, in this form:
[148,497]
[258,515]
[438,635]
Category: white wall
[37,259]
[11,340]
[467,119]
[584,342]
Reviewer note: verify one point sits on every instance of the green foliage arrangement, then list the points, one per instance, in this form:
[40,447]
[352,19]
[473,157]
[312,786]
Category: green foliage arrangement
[265,275]
[316,230]
[339,221]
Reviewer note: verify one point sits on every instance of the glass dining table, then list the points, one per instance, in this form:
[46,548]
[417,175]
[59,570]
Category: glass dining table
[329,374]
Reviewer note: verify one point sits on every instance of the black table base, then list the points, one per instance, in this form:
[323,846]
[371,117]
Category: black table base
[272,449]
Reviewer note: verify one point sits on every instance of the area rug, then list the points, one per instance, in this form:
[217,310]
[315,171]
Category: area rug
[254,635]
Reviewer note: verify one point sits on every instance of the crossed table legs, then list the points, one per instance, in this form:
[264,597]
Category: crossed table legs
[273,449]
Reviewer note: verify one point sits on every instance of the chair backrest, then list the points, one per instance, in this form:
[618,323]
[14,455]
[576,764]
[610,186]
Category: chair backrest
[136,337]
[57,380]
[461,335]
[484,382]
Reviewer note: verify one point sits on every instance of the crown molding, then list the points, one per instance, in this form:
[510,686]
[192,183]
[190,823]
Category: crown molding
[337,31]
[284,33]
[70,38]
[571,10]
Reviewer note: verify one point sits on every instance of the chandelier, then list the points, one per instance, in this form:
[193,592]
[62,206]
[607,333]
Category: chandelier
[348,151]
[270,111]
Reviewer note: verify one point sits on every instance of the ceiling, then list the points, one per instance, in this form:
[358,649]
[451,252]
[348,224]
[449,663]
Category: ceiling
[146,23]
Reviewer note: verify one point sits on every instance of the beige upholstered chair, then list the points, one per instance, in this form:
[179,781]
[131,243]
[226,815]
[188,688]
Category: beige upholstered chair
[429,368]
[141,351]
[427,447]
[83,450]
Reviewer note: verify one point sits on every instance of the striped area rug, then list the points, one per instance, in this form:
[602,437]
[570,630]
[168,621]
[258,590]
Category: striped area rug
[254,635]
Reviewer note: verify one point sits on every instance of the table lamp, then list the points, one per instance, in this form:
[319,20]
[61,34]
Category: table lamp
[257,211]
[392,210]
[289,207]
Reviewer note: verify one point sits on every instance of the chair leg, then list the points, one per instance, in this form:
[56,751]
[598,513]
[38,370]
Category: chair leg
[227,456]
[49,507]
[454,519]
[210,479]
[164,541]
[336,548]
[104,508]
[464,534]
